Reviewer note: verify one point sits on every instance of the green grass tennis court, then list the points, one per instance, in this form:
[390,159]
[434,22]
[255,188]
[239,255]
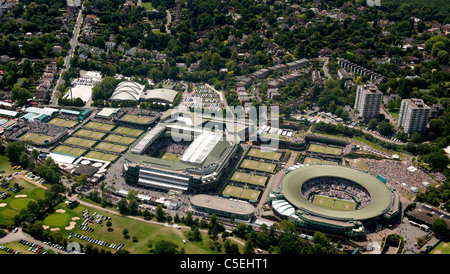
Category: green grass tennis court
[63,122]
[249,178]
[99,126]
[119,139]
[101,156]
[90,134]
[69,150]
[111,147]
[136,118]
[261,166]
[270,155]
[129,131]
[80,142]
[333,203]
[325,149]
[35,138]
[240,192]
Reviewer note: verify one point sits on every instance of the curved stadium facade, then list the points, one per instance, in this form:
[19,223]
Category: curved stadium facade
[289,202]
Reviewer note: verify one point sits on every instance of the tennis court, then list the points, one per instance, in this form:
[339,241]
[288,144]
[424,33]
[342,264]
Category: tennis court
[80,142]
[136,118]
[270,155]
[90,134]
[249,178]
[99,126]
[325,149]
[63,122]
[128,131]
[35,137]
[334,203]
[120,139]
[111,147]
[101,156]
[240,192]
[70,150]
[261,166]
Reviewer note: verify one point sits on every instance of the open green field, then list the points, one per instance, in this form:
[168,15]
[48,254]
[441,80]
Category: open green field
[63,122]
[333,203]
[80,142]
[120,139]
[99,126]
[90,134]
[250,164]
[129,131]
[12,205]
[136,118]
[324,149]
[240,192]
[249,178]
[147,5]
[69,150]
[441,248]
[144,231]
[313,161]
[101,156]
[270,155]
[35,138]
[111,147]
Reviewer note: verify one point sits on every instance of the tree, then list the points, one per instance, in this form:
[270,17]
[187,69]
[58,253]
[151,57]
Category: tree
[123,206]
[165,247]
[160,214]
[386,128]
[373,123]
[60,61]
[440,227]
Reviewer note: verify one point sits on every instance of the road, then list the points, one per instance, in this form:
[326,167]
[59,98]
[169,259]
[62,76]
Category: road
[325,69]
[73,43]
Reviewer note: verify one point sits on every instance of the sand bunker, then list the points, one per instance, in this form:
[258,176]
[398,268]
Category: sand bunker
[75,218]
[54,229]
[20,196]
[3,204]
[71,226]
[60,210]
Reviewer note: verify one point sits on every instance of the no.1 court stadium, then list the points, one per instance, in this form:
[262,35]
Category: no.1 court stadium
[291,203]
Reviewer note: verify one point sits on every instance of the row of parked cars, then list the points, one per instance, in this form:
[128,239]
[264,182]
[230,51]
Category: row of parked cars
[95,241]
[35,248]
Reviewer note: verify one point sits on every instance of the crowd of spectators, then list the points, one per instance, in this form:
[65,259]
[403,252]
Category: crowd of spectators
[398,173]
[167,145]
[335,187]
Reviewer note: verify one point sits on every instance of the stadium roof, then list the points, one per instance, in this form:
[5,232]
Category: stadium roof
[127,91]
[381,196]
[149,137]
[163,95]
[223,204]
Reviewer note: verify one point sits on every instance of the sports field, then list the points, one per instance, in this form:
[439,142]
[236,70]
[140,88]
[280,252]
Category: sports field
[80,142]
[69,150]
[169,156]
[324,149]
[101,156]
[250,164]
[270,155]
[63,122]
[128,131]
[111,147]
[99,126]
[334,203]
[312,161]
[249,178]
[90,134]
[136,118]
[240,192]
[35,138]
[120,139]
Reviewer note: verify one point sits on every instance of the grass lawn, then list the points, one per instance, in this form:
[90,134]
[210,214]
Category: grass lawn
[11,206]
[441,248]
[69,150]
[99,126]
[101,156]
[63,122]
[145,232]
[129,131]
[35,138]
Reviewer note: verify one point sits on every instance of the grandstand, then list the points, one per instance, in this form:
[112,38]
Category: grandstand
[339,189]
[155,160]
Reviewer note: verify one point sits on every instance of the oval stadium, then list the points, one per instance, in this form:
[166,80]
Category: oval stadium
[334,199]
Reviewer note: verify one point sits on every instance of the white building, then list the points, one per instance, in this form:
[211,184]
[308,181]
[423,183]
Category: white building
[368,101]
[413,115]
